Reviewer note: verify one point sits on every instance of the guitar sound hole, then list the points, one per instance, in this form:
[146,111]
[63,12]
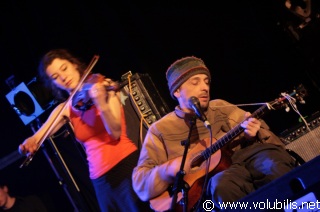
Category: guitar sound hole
[197,161]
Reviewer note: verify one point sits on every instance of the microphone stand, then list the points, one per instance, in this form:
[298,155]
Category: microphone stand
[180,184]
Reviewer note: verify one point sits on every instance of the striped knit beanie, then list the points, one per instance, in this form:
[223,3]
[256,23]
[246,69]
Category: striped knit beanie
[183,69]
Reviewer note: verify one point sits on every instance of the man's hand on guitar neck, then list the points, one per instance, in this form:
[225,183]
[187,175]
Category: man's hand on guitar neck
[251,126]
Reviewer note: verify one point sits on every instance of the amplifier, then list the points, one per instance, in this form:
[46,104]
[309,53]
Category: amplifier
[303,140]
[143,104]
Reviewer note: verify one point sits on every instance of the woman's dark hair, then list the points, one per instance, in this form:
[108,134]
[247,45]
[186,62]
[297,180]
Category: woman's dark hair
[47,60]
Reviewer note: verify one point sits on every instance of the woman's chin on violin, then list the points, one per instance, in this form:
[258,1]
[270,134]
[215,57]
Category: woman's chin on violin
[94,87]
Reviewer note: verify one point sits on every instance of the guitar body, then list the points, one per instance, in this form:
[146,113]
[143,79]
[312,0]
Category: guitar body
[194,193]
[194,177]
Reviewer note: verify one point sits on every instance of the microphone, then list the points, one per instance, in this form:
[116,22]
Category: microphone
[194,103]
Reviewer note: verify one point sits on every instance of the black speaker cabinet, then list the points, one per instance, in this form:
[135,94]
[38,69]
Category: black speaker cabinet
[142,103]
[304,141]
[298,190]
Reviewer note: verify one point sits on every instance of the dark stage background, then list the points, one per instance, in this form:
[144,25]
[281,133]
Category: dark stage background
[254,49]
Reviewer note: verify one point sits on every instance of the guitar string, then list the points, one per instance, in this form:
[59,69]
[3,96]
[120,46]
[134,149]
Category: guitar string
[206,175]
[291,100]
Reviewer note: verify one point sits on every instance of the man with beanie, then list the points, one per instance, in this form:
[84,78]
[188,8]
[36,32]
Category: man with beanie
[256,156]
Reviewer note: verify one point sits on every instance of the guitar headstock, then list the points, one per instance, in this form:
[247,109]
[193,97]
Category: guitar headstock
[300,93]
[297,94]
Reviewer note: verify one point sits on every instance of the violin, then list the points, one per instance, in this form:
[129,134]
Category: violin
[82,100]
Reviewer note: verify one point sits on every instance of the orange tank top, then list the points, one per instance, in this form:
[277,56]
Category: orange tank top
[103,152]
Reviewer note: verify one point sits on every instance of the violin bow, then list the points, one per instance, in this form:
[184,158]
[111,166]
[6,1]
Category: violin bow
[92,63]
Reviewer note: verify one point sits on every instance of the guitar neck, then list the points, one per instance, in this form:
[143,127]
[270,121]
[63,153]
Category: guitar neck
[234,132]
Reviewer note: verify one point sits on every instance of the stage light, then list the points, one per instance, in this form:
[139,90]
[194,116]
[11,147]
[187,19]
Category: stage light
[29,100]
[24,103]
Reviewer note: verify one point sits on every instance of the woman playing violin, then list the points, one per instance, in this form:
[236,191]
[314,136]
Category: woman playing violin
[101,128]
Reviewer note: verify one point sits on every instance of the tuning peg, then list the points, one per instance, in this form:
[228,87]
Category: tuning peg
[287,108]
